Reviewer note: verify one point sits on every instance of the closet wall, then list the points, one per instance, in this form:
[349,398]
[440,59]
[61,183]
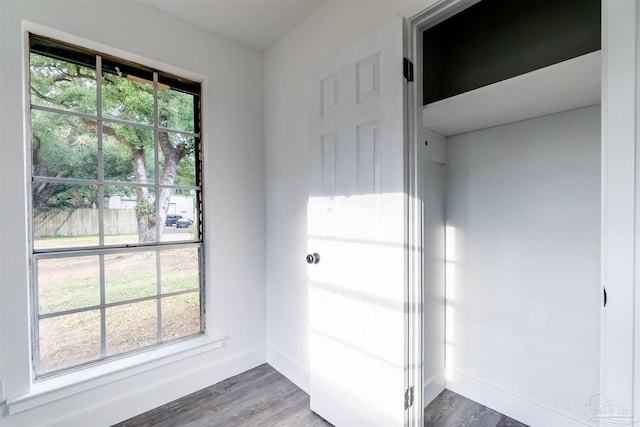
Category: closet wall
[523,257]
[434,264]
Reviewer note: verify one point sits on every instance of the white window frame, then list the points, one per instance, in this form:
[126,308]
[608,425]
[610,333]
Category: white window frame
[102,249]
[18,389]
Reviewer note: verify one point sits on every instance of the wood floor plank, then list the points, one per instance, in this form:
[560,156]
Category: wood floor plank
[259,397]
[451,409]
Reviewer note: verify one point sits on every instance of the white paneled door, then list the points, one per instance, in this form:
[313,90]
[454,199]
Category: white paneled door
[356,228]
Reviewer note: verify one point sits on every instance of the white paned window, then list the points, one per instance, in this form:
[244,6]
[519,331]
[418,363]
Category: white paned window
[116,207]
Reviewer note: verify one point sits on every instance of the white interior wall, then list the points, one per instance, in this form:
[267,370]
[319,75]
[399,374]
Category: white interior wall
[234,196]
[434,266]
[523,266]
[286,101]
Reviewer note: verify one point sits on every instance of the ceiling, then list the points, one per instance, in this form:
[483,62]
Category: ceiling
[258,24]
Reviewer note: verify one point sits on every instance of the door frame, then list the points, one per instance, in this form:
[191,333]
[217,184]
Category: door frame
[428,17]
[620,238]
[619,381]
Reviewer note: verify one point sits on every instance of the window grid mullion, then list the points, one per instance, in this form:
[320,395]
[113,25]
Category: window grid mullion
[114,304]
[111,120]
[201,262]
[156,159]
[103,314]
[55,180]
[71,252]
[100,151]
[159,292]
[103,311]
[36,327]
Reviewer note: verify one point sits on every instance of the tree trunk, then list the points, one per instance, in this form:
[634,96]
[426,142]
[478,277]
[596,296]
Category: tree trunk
[42,191]
[145,206]
[172,156]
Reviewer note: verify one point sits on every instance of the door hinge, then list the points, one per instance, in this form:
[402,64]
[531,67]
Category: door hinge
[604,296]
[408,398]
[408,69]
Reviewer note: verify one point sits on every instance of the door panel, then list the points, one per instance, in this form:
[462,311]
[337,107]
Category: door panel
[356,214]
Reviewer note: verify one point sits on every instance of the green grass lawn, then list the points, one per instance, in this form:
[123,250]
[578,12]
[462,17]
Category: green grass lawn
[74,282]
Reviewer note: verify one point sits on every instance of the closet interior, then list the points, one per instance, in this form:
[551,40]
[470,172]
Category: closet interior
[511,174]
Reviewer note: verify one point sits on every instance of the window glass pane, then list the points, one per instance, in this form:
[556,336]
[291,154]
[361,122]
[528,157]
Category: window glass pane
[64,215]
[179,270]
[129,215]
[176,110]
[130,276]
[128,153]
[68,283]
[180,315]
[63,146]
[181,220]
[124,95]
[69,340]
[177,159]
[131,326]
[61,84]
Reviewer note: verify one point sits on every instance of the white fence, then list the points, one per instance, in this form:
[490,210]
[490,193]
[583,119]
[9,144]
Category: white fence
[83,222]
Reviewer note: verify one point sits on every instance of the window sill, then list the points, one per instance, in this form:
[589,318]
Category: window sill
[62,386]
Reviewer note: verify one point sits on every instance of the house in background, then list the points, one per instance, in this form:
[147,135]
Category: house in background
[182,205]
[255,136]
[178,204]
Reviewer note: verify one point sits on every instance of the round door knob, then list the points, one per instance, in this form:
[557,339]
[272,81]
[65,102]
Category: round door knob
[313,258]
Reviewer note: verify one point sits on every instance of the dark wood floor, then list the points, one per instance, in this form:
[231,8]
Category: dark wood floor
[259,397]
[263,397]
[451,409]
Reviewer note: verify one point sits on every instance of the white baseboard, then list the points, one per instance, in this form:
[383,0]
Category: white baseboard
[294,372]
[129,397]
[433,387]
[517,407]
